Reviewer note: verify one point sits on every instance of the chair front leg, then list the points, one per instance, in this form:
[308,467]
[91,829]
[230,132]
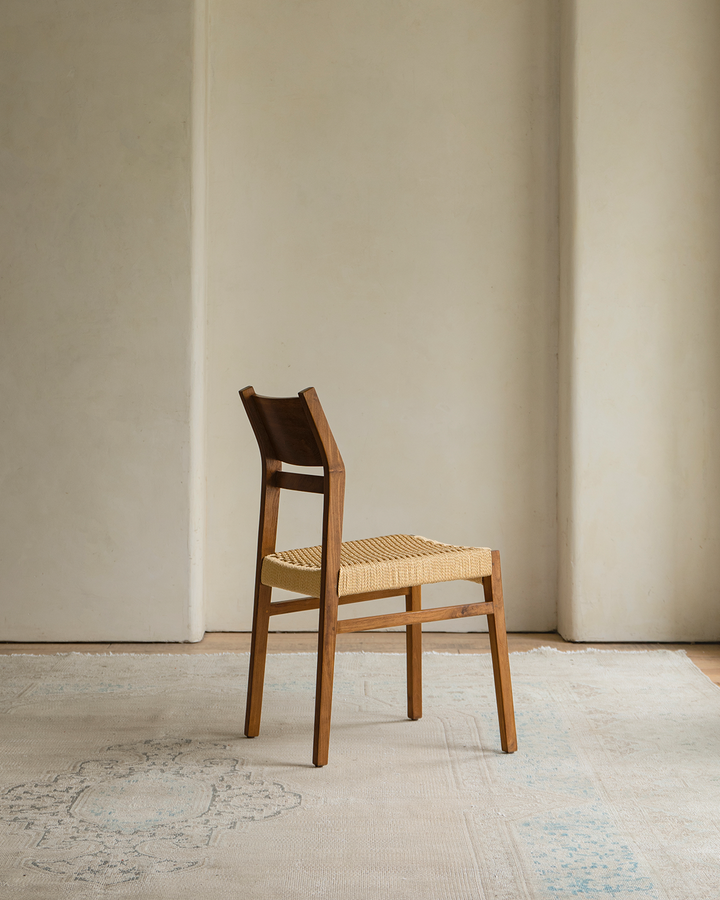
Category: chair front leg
[492,585]
[258,654]
[413,641]
[327,638]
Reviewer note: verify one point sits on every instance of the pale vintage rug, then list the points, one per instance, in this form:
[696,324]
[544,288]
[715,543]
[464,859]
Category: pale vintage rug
[128,776]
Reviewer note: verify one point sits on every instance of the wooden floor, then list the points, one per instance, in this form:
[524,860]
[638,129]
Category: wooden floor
[705,656]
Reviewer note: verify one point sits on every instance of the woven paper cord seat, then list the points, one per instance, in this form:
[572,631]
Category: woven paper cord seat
[378,564]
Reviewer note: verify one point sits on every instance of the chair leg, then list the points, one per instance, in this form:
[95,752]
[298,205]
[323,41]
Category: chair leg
[413,641]
[492,585]
[258,653]
[327,638]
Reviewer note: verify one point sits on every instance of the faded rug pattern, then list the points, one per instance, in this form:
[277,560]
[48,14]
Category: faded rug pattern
[128,776]
[127,813]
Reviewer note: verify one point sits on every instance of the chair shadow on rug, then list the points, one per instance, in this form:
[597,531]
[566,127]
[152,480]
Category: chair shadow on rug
[294,430]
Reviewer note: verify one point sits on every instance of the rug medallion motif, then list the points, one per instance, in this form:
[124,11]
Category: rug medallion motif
[128,812]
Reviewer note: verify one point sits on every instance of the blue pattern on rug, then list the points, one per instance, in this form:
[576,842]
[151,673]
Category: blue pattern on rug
[576,851]
[580,853]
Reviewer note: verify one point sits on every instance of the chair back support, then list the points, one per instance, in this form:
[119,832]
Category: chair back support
[283,430]
[294,430]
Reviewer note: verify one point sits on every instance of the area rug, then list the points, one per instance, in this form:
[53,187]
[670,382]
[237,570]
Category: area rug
[127,776]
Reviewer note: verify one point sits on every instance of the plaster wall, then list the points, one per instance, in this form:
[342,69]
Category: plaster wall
[382,224]
[382,203]
[95,330]
[640,335]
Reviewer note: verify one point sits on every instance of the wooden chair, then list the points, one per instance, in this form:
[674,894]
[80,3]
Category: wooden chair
[294,430]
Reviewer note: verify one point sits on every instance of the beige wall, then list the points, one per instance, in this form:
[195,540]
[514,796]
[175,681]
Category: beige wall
[382,225]
[96,320]
[382,196]
[640,366]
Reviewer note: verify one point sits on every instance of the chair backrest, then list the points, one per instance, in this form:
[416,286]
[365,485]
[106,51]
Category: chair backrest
[283,430]
[294,430]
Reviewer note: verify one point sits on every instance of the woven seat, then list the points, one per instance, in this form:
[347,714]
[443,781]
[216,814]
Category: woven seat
[294,431]
[378,564]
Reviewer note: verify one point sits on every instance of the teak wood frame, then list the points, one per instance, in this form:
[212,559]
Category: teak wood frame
[294,430]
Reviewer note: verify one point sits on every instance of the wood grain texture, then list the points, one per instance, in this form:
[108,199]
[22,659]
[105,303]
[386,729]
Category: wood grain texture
[267,534]
[492,586]
[413,651]
[333,506]
[279,607]
[288,432]
[297,481]
[435,614]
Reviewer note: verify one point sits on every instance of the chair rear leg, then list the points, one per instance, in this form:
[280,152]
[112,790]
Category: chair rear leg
[492,585]
[413,641]
[327,639]
[258,654]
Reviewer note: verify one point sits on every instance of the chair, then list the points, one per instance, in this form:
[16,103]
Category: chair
[294,430]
